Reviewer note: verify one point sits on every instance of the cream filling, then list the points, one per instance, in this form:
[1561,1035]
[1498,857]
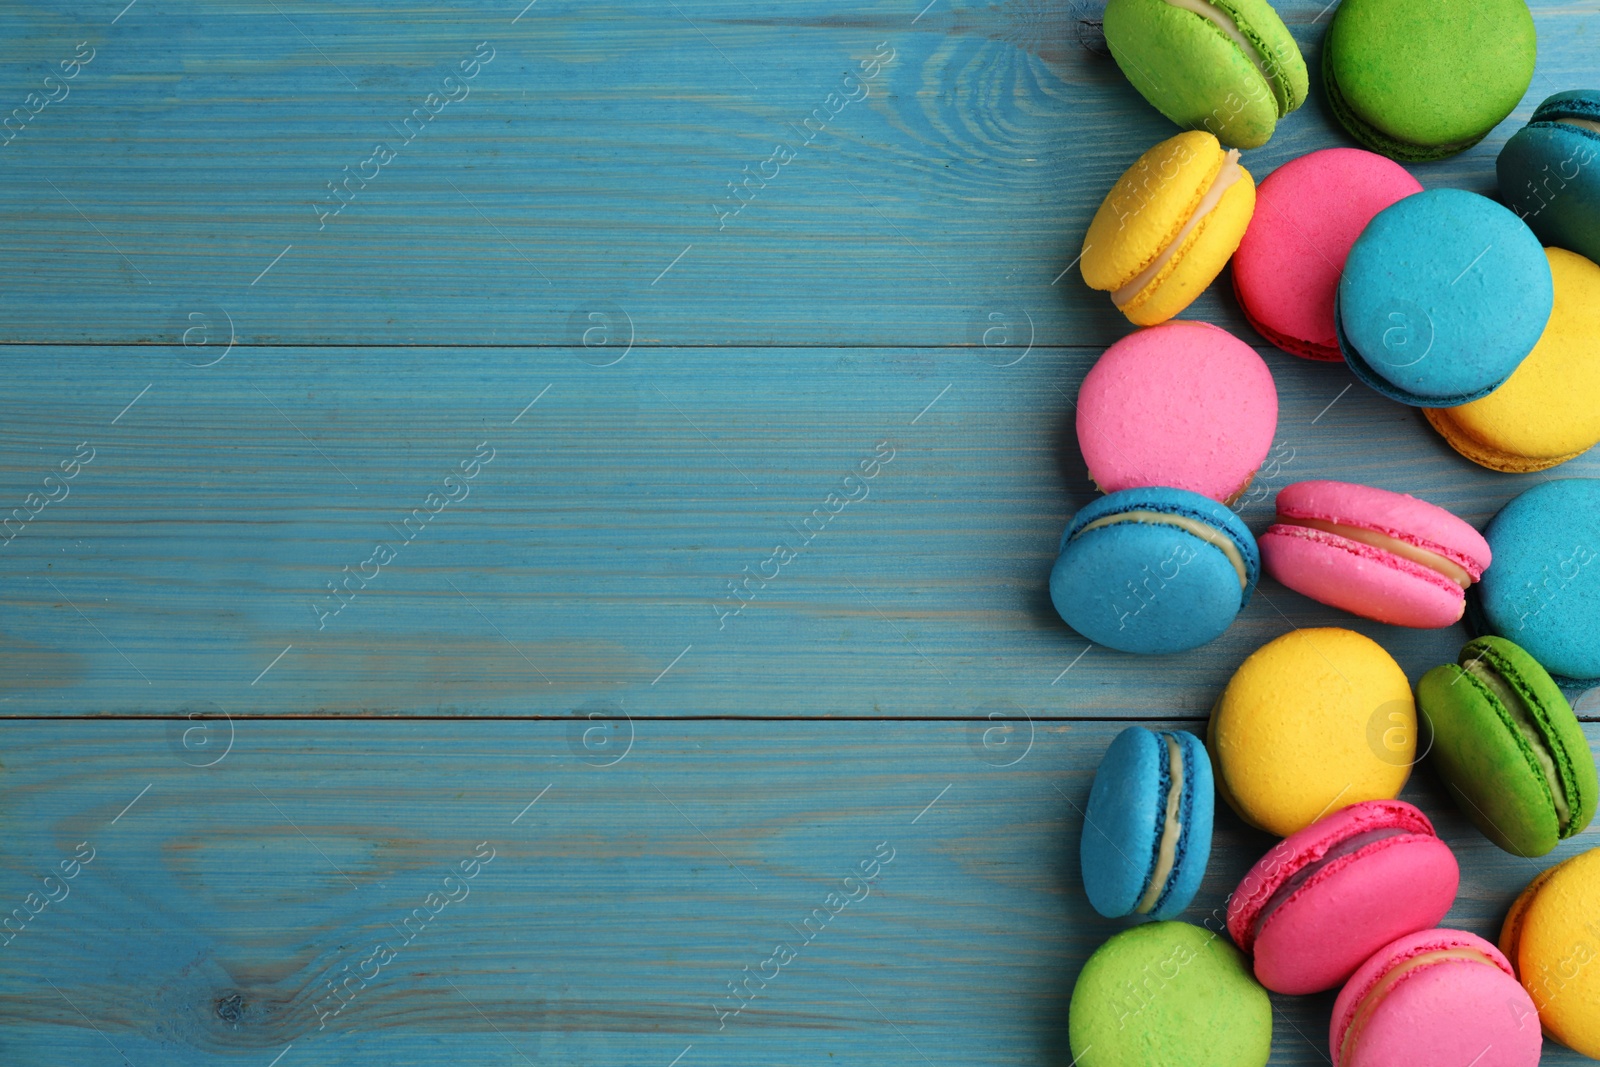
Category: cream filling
[1522,716]
[1209,534]
[1369,1004]
[1167,855]
[1588,124]
[1230,173]
[1432,560]
[1224,22]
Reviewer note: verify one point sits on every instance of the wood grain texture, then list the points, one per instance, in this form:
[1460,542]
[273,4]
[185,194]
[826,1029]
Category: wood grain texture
[599,542]
[615,910]
[592,151]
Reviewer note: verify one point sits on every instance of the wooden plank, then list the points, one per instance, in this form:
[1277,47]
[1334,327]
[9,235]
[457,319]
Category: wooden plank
[614,912]
[595,549]
[183,169]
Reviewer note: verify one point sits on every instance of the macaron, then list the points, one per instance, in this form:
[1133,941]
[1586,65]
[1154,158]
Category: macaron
[1308,214]
[1424,79]
[1438,998]
[1147,829]
[1552,937]
[1184,404]
[1227,66]
[1168,994]
[1381,555]
[1153,570]
[1548,174]
[1442,296]
[1543,591]
[1548,411]
[1311,723]
[1168,226]
[1508,747]
[1326,898]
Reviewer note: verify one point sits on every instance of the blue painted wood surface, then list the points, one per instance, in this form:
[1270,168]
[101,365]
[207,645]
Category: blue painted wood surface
[540,358]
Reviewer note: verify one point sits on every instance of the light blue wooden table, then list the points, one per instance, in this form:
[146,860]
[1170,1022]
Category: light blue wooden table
[407,672]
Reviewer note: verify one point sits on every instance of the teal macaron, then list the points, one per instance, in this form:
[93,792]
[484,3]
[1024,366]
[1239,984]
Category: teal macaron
[1227,66]
[1550,172]
[1442,297]
[1147,827]
[1508,747]
[1154,570]
[1420,80]
[1543,589]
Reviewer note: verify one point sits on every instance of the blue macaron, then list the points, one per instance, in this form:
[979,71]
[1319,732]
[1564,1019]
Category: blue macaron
[1154,570]
[1543,589]
[1550,172]
[1147,830]
[1443,295]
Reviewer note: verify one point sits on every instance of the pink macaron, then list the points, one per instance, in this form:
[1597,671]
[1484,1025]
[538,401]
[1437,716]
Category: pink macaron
[1438,998]
[1309,213]
[1184,405]
[1325,898]
[1382,555]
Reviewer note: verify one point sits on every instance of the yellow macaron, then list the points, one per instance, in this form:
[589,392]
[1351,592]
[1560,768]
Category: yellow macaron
[1312,722]
[1552,938]
[1168,227]
[1548,411]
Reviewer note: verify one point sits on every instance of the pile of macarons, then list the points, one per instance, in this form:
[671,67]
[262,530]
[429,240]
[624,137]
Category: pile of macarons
[1485,315]
[1312,740]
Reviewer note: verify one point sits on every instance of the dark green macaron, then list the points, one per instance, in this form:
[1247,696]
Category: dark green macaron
[1226,66]
[1508,747]
[1424,79]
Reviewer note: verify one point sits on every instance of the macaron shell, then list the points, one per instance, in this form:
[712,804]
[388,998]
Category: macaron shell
[1147,207]
[1399,515]
[1360,578]
[1548,175]
[1121,823]
[1308,214]
[1429,73]
[1511,930]
[1184,404]
[1543,592]
[1558,953]
[1205,80]
[1168,994]
[1443,295]
[1199,813]
[1199,259]
[1447,1014]
[1548,411]
[1317,938]
[1300,730]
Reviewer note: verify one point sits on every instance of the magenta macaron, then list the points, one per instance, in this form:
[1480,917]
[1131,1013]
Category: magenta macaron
[1436,998]
[1184,405]
[1309,213]
[1382,555]
[1325,898]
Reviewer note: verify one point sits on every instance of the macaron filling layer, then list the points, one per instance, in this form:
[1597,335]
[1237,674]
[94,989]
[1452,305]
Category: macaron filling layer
[1228,25]
[1347,847]
[1209,534]
[1405,549]
[1374,997]
[1528,726]
[1226,177]
[1588,124]
[1171,831]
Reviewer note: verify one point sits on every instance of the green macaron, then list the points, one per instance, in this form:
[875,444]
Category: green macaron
[1168,994]
[1226,66]
[1509,748]
[1424,79]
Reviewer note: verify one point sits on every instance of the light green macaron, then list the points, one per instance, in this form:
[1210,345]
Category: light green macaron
[1226,66]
